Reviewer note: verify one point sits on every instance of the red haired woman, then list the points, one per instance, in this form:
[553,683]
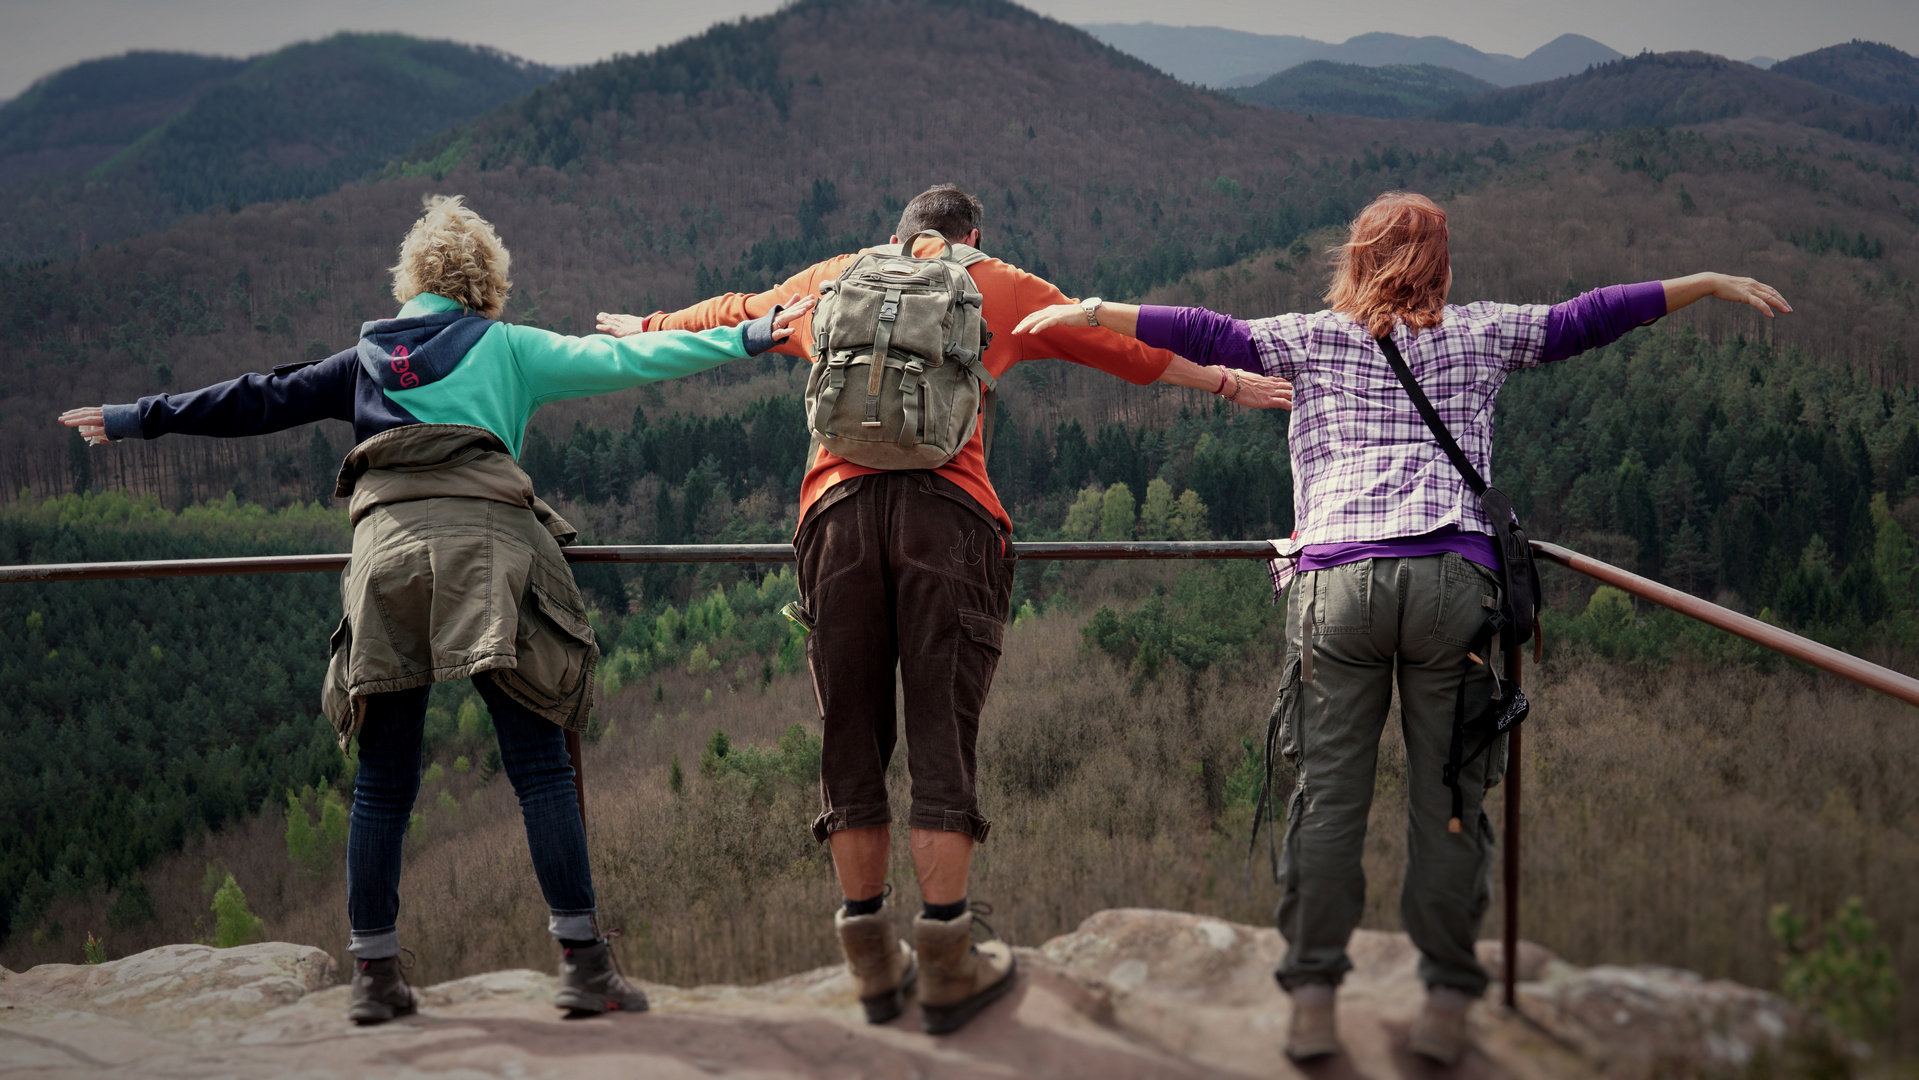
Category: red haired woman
[1395,568]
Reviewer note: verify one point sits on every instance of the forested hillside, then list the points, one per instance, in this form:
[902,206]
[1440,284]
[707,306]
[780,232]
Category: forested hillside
[80,116]
[294,123]
[139,714]
[1394,90]
[1867,70]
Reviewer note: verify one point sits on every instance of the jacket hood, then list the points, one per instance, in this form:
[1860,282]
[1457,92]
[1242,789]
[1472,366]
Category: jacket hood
[406,353]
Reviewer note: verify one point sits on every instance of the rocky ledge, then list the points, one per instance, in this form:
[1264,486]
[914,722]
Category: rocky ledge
[1130,993]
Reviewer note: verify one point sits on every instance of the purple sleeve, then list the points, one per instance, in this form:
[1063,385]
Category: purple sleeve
[1599,317]
[1202,336]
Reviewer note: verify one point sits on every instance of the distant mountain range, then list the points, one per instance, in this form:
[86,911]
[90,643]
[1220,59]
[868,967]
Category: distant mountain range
[1211,56]
[1673,89]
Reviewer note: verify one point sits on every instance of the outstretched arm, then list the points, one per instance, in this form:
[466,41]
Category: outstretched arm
[254,404]
[1221,341]
[1598,318]
[1739,290]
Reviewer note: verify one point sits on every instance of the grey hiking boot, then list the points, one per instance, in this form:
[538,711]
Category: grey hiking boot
[1439,1035]
[591,983]
[380,990]
[882,965]
[957,978]
[1314,1031]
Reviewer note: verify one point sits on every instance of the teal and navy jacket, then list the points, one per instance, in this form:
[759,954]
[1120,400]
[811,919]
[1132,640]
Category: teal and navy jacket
[437,363]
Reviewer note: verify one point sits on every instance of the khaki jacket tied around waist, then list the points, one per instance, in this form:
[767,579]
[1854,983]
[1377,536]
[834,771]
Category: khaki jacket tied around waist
[456,570]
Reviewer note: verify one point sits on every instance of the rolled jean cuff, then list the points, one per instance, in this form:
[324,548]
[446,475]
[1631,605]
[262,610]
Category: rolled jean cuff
[572,925]
[842,818]
[375,944]
[960,821]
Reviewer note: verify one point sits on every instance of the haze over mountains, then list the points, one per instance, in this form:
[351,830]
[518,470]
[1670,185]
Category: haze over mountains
[1212,56]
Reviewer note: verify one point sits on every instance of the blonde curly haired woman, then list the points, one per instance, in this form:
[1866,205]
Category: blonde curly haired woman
[1396,570]
[456,569]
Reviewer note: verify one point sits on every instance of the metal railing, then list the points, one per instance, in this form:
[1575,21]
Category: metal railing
[1867,674]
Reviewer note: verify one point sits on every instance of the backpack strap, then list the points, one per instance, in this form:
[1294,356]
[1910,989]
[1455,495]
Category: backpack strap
[882,341]
[1431,416]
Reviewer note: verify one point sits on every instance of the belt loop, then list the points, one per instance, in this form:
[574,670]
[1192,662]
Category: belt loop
[1306,626]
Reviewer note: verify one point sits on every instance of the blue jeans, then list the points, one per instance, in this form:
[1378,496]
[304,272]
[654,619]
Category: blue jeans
[533,753]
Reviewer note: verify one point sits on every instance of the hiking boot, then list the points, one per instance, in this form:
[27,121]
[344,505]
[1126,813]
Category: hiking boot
[957,978]
[882,965]
[380,991]
[1439,1035]
[591,983]
[1314,1031]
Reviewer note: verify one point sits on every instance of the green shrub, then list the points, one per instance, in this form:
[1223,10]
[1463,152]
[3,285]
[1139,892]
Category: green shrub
[1845,976]
[233,923]
[93,950]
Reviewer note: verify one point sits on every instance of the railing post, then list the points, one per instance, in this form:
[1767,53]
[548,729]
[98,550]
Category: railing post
[1509,896]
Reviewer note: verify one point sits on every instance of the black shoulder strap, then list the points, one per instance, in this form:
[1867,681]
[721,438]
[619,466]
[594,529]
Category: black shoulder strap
[1431,416]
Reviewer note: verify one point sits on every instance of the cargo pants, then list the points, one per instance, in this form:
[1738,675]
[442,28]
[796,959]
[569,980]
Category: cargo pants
[1370,622]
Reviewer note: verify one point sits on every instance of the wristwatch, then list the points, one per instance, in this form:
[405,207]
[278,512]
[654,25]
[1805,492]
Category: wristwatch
[1090,305]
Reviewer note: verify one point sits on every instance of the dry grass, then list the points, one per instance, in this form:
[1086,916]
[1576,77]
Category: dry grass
[1665,813]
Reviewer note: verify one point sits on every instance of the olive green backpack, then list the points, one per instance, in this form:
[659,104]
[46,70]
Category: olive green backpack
[900,381]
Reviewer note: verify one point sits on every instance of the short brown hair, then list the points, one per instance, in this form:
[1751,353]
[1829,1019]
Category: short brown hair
[945,209]
[1394,265]
[453,252]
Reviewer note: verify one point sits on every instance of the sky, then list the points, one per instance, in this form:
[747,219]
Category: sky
[38,37]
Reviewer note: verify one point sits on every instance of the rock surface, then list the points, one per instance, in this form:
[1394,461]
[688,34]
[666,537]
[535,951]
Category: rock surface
[1128,994]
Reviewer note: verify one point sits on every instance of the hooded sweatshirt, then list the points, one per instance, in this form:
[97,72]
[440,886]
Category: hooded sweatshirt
[437,363]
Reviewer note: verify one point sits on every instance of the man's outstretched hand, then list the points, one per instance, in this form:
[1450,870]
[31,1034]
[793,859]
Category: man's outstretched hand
[91,422]
[628,325]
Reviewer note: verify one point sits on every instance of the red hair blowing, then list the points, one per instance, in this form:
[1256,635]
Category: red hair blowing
[1394,265]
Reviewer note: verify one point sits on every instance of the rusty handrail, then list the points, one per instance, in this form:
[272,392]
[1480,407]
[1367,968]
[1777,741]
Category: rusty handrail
[618,553]
[1845,665]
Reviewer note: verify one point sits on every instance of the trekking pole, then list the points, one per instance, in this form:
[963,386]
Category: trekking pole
[1509,895]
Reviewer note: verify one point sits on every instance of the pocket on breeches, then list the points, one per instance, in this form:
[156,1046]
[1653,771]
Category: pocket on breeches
[982,636]
[1290,740]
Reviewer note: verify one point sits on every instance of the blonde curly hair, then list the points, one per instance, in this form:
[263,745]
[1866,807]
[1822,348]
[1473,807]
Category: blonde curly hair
[453,252]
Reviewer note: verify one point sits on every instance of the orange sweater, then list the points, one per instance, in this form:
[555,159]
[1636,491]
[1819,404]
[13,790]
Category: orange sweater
[1008,295]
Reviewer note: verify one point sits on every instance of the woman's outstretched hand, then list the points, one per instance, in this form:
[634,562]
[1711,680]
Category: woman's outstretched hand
[619,325]
[1263,392]
[1048,317]
[91,422]
[1738,290]
[790,314]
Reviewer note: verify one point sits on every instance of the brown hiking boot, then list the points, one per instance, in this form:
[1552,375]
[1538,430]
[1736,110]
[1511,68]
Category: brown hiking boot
[1314,1032]
[957,978]
[1439,1035]
[882,965]
[380,991]
[591,983]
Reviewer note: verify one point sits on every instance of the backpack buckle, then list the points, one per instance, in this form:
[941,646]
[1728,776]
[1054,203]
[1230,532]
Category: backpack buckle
[889,310]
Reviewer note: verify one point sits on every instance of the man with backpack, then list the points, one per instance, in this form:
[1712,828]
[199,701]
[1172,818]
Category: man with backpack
[905,559]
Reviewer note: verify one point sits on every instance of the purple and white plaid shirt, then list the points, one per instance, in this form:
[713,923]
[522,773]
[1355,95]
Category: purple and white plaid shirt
[1365,466]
